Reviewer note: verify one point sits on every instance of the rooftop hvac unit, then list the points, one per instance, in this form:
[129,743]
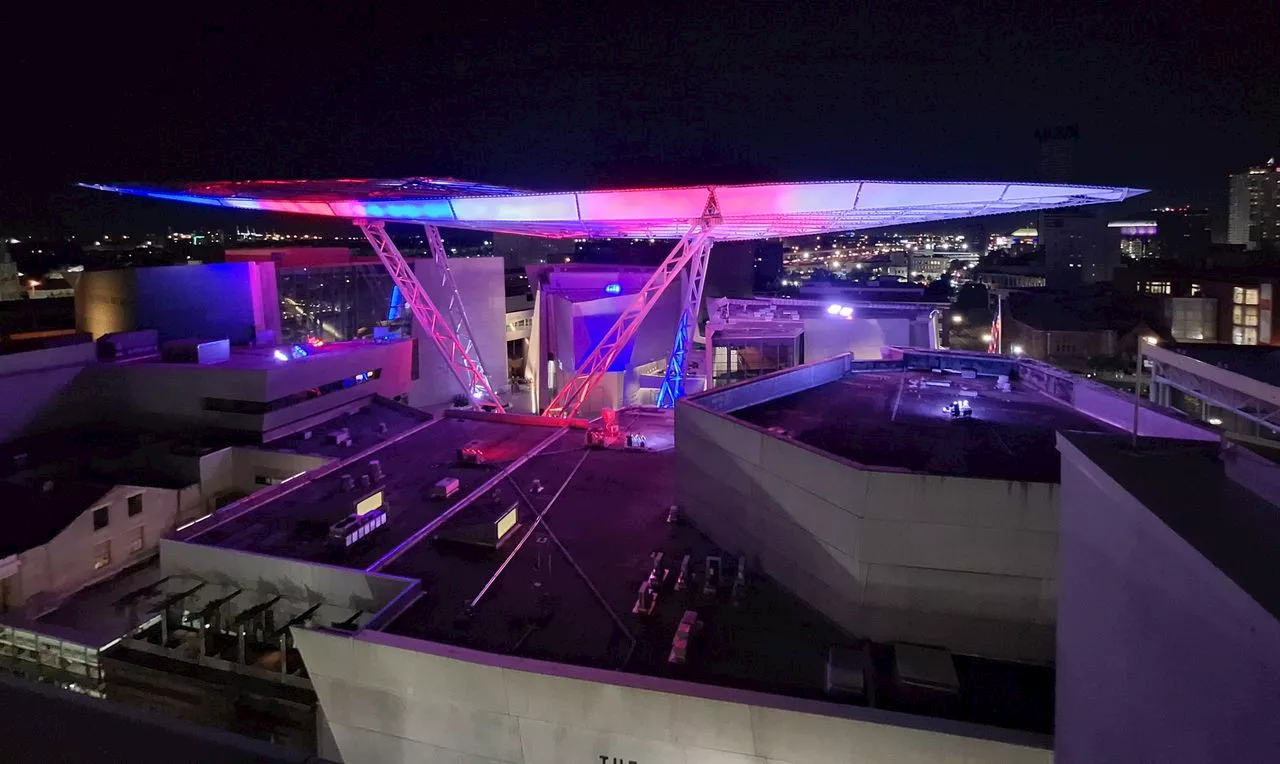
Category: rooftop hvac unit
[848,674]
[339,437]
[117,345]
[375,469]
[488,525]
[472,453]
[929,668]
[349,531]
[445,487]
[196,351]
[684,632]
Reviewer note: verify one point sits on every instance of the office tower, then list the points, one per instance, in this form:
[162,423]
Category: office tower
[1253,217]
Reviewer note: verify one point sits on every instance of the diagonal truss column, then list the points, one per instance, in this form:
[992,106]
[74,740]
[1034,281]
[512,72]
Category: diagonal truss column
[459,354]
[454,310]
[574,393]
[677,364]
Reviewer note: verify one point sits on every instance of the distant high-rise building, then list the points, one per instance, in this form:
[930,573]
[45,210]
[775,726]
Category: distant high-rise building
[1253,217]
[10,285]
[1074,240]
[1182,233]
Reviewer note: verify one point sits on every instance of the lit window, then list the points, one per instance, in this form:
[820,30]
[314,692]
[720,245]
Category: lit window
[1251,297]
[1237,296]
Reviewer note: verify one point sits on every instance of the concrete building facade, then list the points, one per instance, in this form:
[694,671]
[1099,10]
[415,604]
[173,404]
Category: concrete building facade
[909,551]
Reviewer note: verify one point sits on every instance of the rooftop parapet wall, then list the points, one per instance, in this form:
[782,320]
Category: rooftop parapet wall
[395,699]
[888,554]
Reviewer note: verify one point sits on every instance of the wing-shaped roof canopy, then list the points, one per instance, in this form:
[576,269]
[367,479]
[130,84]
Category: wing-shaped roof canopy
[758,211]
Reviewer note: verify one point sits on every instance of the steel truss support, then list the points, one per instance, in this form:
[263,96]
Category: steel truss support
[677,364]
[574,393]
[459,352]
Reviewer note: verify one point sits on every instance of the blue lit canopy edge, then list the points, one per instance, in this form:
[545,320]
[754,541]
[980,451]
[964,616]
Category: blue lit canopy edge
[747,211]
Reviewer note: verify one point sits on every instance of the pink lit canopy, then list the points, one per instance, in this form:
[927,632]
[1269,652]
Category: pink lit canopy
[757,211]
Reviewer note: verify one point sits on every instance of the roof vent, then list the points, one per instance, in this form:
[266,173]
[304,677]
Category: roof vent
[847,674]
[375,469]
[348,482]
[365,481]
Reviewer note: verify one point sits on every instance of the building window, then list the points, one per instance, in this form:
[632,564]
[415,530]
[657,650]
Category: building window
[135,505]
[1196,290]
[101,516]
[1158,287]
[136,537]
[101,555]
[1244,315]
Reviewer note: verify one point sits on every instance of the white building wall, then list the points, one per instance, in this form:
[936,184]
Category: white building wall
[175,393]
[390,699]
[1161,657]
[481,285]
[826,337]
[964,563]
[34,385]
[67,563]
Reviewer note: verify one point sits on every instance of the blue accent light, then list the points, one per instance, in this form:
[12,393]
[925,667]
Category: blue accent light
[613,289]
[299,351]
[188,198]
[672,388]
[396,307]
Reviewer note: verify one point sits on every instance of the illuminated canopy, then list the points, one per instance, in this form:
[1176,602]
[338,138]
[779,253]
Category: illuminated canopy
[748,212]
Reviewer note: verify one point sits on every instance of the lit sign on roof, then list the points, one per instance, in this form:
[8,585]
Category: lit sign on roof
[369,503]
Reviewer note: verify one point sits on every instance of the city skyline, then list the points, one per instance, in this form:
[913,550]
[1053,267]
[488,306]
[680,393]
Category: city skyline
[551,100]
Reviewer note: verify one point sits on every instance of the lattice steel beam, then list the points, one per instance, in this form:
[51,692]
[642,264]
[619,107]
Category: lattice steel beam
[592,370]
[457,314]
[677,364]
[461,358]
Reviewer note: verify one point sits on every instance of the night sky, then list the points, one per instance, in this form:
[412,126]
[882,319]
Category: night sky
[1168,95]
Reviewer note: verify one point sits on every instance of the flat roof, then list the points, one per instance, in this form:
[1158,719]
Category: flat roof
[294,523]
[756,211]
[567,595]
[895,419]
[1185,484]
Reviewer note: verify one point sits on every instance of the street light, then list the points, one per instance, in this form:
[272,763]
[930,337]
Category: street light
[1017,349]
[956,318]
[987,337]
